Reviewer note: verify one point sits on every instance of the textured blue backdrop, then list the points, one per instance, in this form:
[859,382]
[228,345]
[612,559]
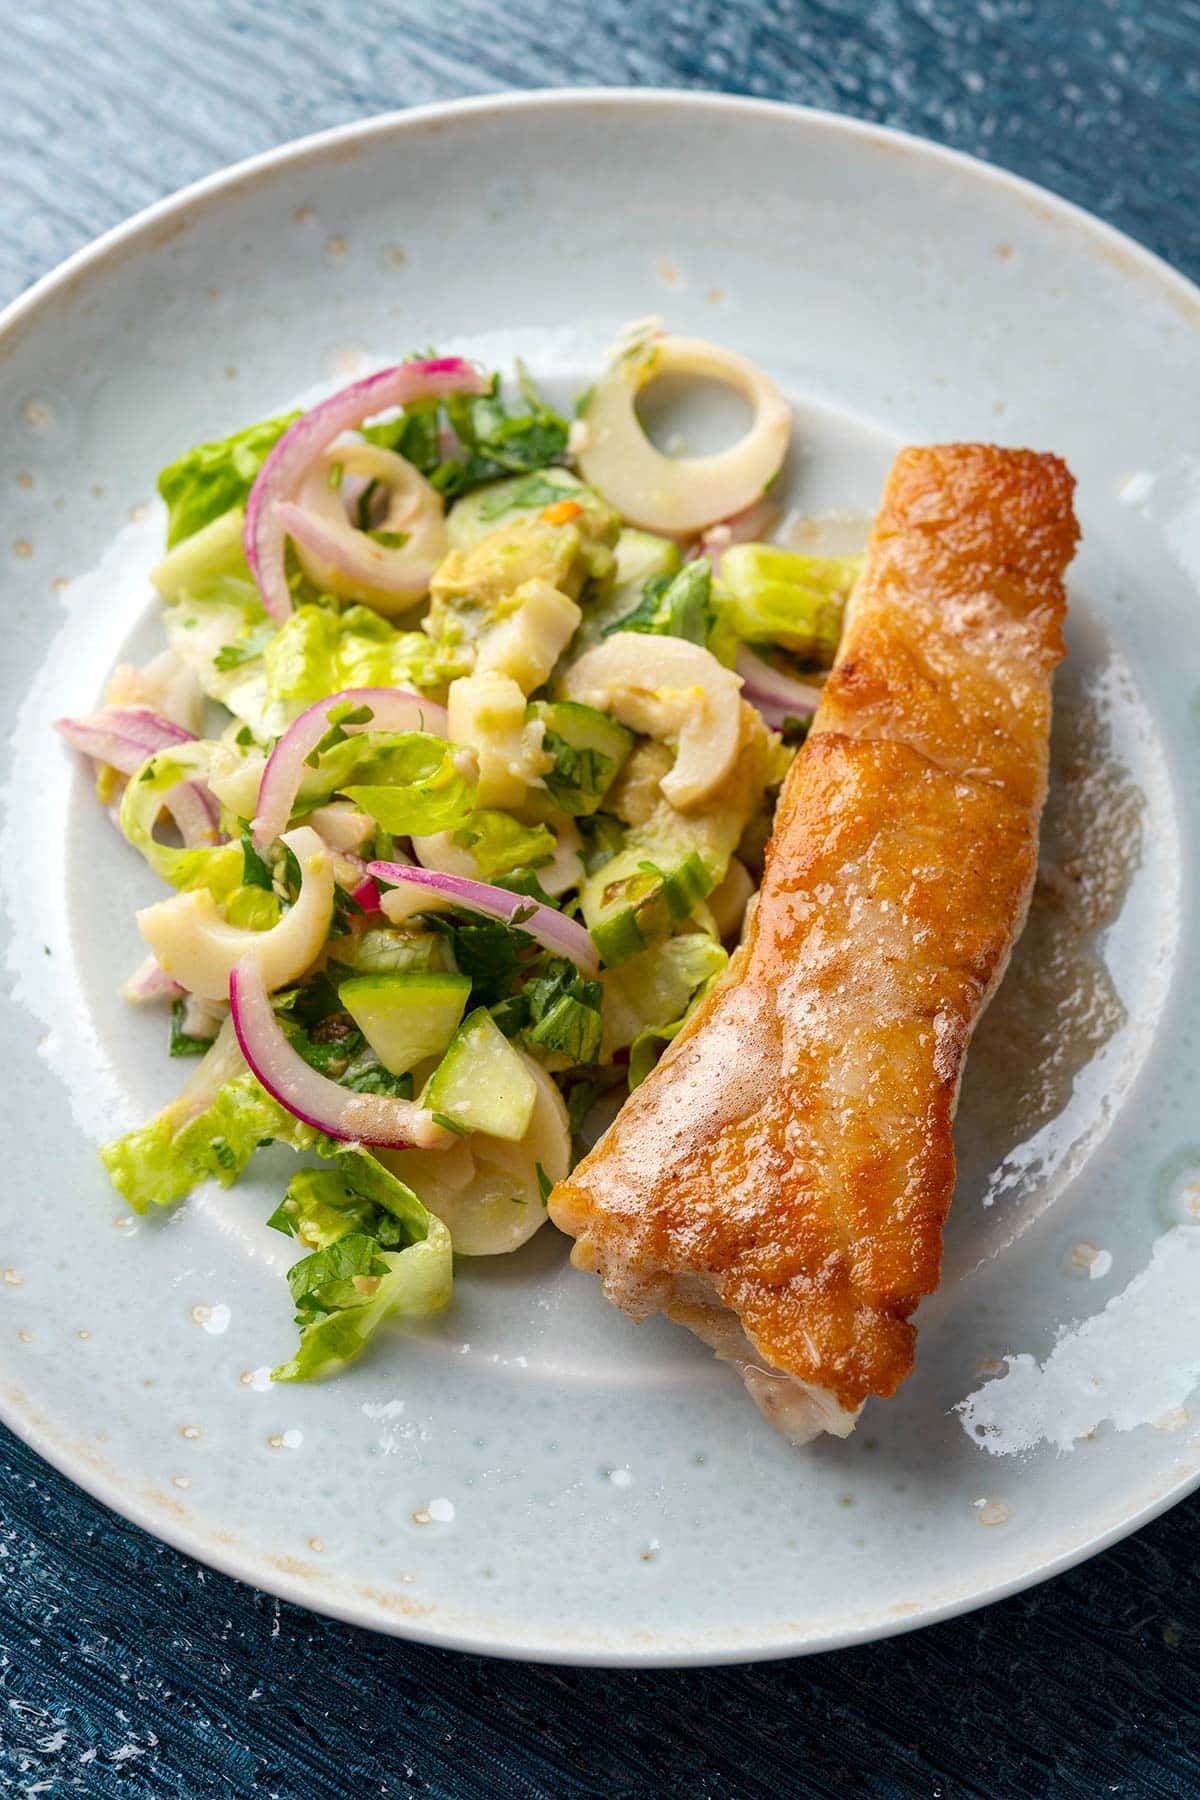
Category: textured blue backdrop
[124,1668]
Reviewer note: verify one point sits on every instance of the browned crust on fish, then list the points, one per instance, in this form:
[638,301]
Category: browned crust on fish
[792,1154]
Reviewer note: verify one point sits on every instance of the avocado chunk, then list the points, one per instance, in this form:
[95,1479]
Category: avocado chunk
[500,503]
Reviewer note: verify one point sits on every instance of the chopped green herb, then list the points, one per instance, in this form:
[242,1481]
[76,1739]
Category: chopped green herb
[255,872]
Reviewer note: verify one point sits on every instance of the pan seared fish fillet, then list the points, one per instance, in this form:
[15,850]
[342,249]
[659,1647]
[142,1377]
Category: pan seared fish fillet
[779,1184]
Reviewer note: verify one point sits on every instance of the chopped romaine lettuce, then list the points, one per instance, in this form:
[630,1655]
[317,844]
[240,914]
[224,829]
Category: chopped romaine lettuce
[647,999]
[409,784]
[319,652]
[499,843]
[674,605]
[375,1252]
[207,481]
[219,869]
[159,1163]
[773,596]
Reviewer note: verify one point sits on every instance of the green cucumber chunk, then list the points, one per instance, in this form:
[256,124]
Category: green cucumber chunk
[588,748]
[632,901]
[406,1016]
[481,1084]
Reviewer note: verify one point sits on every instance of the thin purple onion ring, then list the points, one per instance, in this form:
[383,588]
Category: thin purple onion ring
[747,527]
[311,1097]
[550,928]
[151,982]
[294,454]
[392,709]
[123,737]
[777,697]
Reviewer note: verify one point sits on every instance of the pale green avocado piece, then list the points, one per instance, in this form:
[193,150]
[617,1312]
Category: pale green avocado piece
[640,557]
[481,1084]
[406,1016]
[498,503]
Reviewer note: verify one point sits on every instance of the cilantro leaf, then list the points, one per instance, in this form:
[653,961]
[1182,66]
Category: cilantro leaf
[674,605]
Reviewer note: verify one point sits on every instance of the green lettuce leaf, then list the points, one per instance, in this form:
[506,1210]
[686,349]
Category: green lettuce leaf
[773,596]
[318,652]
[219,869]
[409,784]
[375,1251]
[210,479]
[674,605]
[647,998]
[212,1128]
[499,843]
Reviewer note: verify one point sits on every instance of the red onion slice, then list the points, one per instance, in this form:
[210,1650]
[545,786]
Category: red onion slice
[777,697]
[151,982]
[366,895]
[550,928]
[299,447]
[123,737]
[340,557]
[747,527]
[311,1097]
[392,709]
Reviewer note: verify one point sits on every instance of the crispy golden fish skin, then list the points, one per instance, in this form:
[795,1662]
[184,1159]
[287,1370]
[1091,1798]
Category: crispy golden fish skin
[780,1182]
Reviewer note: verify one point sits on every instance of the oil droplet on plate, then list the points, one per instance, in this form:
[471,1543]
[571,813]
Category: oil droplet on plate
[191,1432]
[992,1512]
[22,548]
[214,1319]
[620,1478]
[38,414]
[13,1278]
[1174,1419]
[335,248]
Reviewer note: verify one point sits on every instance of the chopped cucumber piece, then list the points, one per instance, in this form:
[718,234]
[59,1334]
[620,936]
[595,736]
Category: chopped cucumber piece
[406,1016]
[632,902]
[588,748]
[482,1083]
[383,951]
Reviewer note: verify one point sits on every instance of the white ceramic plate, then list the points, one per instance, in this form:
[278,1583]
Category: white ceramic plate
[533,1475]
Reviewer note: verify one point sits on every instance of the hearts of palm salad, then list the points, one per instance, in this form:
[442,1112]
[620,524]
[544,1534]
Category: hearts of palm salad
[460,762]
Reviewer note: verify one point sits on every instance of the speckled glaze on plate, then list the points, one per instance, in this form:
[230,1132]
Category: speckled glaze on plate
[533,1475]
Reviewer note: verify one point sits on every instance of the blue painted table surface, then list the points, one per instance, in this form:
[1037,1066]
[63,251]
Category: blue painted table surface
[124,1667]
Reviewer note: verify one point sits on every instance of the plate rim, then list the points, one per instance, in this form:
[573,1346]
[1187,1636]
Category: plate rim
[144,231]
